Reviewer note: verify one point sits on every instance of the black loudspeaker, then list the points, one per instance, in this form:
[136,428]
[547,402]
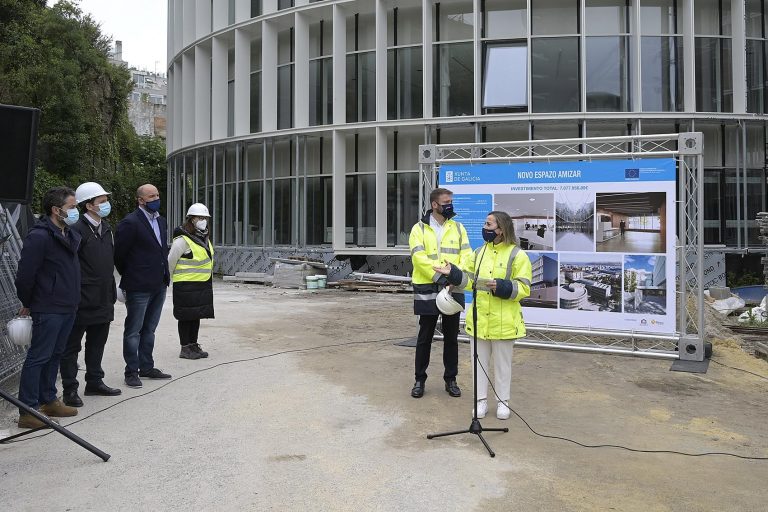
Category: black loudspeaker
[18,141]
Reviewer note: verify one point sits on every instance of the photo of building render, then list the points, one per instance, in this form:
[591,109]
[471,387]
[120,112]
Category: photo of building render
[645,284]
[590,282]
[534,218]
[575,224]
[543,282]
[631,222]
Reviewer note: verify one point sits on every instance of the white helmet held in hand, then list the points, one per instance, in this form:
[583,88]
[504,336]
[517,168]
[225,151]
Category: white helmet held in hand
[447,304]
[120,294]
[89,190]
[20,330]
[198,210]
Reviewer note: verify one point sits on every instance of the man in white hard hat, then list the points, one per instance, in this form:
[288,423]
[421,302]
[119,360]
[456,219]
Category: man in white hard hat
[97,296]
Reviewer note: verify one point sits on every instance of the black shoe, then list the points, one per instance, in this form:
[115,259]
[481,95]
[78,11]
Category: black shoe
[452,388]
[418,390]
[188,352]
[197,348]
[132,381]
[154,373]
[100,389]
[72,399]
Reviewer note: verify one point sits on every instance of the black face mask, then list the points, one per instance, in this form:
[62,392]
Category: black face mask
[446,210]
[489,235]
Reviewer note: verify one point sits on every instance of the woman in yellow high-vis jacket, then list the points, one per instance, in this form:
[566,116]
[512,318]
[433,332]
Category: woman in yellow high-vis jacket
[190,262]
[502,274]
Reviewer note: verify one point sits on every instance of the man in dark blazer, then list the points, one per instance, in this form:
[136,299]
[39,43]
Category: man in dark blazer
[141,258]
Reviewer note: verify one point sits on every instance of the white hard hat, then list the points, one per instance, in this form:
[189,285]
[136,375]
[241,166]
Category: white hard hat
[447,304]
[20,330]
[120,294]
[89,190]
[198,210]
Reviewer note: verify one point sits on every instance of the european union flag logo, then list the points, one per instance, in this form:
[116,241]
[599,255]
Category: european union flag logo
[632,174]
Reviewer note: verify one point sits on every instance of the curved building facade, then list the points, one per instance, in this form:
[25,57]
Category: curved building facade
[297,122]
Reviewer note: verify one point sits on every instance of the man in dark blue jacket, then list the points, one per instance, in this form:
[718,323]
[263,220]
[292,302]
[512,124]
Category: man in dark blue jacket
[48,286]
[141,258]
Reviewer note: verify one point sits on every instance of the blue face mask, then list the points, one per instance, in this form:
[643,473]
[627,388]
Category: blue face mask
[489,235]
[73,215]
[104,209]
[446,210]
[153,206]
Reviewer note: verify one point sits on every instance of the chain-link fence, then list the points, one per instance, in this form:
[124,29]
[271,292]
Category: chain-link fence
[11,356]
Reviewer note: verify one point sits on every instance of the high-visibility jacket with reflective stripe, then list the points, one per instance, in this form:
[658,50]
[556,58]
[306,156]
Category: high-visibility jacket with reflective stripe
[198,268]
[454,249]
[497,318]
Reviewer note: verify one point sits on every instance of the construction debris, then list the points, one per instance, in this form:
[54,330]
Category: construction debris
[375,283]
[249,277]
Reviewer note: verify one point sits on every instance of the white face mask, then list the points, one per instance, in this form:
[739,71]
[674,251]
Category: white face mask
[202,224]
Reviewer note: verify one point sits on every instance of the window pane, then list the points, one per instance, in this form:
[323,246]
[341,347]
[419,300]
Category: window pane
[454,80]
[230,108]
[404,83]
[361,152]
[361,219]
[230,172]
[713,143]
[756,79]
[754,18]
[659,17]
[755,146]
[284,4]
[554,17]
[255,8]
[505,81]
[504,132]
[714,89]
[320,39]
[607,16]
[408,26]
[606,129]
[505,19]
[229,215]
[284,158]
[319,211]
[255,230]
[555,74]
[285,97]
[608,74]
[361,32]
[712,207]
[361,87]
[712,17]
[231,12]
[255,156]
[255,102]
[320,92]
[284,210]
[455,21]
[662,73]
[402,206]
[559,130]
[256,55]
[285,46]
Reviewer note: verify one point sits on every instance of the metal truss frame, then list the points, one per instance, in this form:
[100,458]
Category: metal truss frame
[687,342]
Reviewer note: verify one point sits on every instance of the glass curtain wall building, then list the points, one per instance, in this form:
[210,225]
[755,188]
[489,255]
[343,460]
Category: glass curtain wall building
[298,122]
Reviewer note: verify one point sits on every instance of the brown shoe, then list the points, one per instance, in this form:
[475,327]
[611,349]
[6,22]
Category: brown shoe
[29,421]
[57,409]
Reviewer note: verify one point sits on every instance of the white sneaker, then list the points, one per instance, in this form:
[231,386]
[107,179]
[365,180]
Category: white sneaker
[482,408]
[502,411]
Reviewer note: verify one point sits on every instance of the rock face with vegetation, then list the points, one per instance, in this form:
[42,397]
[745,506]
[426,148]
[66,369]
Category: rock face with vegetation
[56,59]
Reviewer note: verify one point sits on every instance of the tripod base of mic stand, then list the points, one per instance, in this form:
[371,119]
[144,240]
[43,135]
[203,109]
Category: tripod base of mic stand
[475,428]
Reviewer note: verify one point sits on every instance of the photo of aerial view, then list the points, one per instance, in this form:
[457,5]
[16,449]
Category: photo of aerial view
[543,282]
[645,284]
[590,282]
[575,221]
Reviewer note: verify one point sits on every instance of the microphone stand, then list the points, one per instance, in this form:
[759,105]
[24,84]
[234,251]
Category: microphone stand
[475,428]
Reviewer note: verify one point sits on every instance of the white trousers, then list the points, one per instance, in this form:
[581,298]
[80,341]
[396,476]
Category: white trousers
[502,366]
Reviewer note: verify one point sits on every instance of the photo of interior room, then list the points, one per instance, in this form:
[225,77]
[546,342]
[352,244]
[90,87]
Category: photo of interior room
[631,222]
[575,219]
[534,218]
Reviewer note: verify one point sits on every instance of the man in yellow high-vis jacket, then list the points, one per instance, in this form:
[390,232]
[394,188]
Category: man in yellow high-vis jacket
[436,240]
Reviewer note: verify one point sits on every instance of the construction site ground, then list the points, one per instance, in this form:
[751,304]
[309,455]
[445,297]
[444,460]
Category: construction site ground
[304,404]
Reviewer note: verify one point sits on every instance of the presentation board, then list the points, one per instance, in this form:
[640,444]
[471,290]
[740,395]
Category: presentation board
[600,236]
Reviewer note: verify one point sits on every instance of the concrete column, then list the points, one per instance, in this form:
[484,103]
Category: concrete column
[202,94]
[427,13]
[202,18]
[242,10]
[339,185]
[301,71]
[739,60]
[220,14]
[339,69]
[635,41]
[171,121]
[171,26]
[268,77]
[178,27]
[381,60]
[189,23]
[477,47]
[689,58]
[220,74]
[268,6]
[177,104]
[188,98]
[242,82]
[381,188]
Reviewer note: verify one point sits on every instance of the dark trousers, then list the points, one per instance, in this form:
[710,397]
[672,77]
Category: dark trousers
[427,324]
[143,315]
[95,339]
[37,383]
[188,330]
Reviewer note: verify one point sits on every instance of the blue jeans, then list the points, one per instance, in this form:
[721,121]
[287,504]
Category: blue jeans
[50,331]
[144,309]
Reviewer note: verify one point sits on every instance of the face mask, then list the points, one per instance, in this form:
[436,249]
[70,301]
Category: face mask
[202,224]
[446,210]
[489,235]
[153,206]
[104,209]
[72,216]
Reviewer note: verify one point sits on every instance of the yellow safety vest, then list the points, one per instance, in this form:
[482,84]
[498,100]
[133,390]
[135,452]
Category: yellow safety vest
[497,318]
[454,249]
[198,268]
